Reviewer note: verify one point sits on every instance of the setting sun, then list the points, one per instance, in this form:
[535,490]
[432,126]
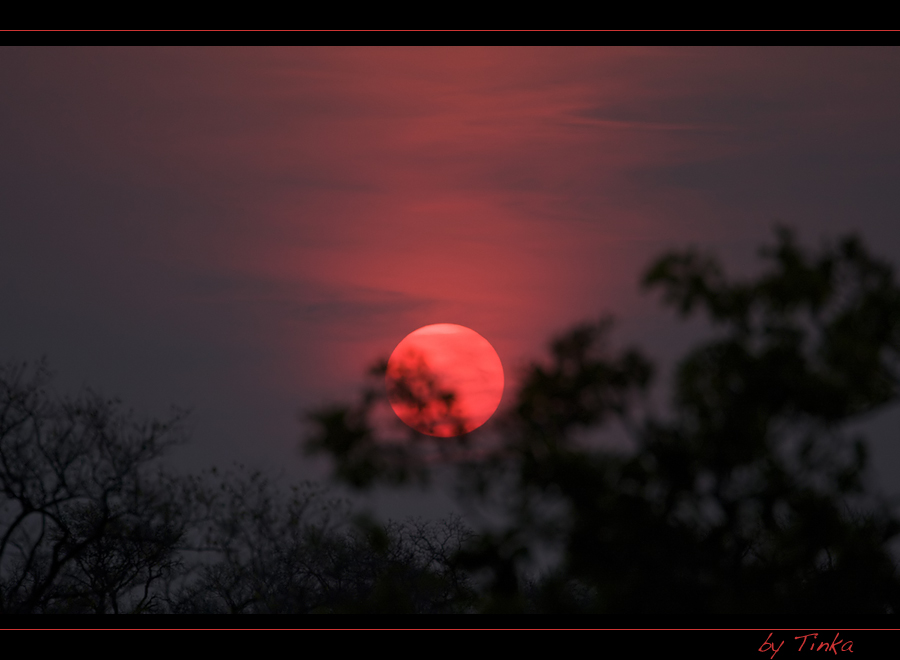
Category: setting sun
[444,380]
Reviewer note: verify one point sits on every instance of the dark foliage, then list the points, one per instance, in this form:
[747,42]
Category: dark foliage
[747,498]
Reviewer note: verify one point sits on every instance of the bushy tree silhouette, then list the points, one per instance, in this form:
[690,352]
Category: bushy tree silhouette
[747,497]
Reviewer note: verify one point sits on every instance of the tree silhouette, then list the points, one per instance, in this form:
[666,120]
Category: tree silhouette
[748,497]
[91,523]
[86,525]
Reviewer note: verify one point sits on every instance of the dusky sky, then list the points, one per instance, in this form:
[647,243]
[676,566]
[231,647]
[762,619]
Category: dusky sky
[244,230]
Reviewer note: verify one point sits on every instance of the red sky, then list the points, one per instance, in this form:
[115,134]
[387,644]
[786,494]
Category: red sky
[245,230]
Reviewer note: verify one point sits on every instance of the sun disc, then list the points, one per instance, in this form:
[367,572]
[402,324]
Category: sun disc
[444,380]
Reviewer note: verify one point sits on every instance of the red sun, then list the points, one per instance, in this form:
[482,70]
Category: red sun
[444,380]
